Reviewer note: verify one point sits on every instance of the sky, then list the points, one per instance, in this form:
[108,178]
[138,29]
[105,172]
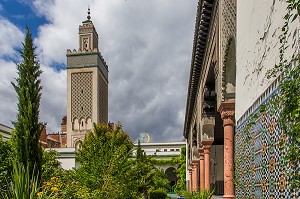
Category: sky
[146,44]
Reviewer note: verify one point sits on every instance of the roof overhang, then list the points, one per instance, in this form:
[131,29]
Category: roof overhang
[202,26]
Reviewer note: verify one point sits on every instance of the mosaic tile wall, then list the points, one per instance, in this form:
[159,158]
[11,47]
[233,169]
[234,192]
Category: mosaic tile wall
[261,170]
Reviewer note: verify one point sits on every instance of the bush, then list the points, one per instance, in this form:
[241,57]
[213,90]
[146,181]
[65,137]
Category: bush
[157,194]
[206,194]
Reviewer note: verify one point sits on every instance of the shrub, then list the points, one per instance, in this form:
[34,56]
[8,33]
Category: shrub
[157,194]
[206,194]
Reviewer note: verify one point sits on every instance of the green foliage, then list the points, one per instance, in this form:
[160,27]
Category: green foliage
[289,98]
[164,161]
[206,194]
[27,127]
[51,167]
[23,184]
[146,176]
[181,171]
[157,194]
[105,164]
[66,189]
[5,163]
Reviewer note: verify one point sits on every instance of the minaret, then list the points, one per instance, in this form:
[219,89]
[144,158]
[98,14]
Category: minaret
[87,85]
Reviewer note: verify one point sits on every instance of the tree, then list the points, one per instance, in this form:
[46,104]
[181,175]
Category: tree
[51,167]
[105,163]
[5,163]
[27,127]
[181,172]
[146,175]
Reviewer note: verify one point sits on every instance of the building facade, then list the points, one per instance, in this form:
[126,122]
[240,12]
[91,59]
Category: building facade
[209,119]
[235,44]
[87,86]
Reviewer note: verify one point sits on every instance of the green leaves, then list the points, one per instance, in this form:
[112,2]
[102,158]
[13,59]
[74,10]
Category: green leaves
[181,172]
[27,127]
[105,163]
[5,163]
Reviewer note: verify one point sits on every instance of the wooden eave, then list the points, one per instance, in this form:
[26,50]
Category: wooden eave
[202,25]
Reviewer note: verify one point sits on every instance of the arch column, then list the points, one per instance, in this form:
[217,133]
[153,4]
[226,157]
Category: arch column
[195,175]
[191,180]
[227,114]
[202,169]
[206,146]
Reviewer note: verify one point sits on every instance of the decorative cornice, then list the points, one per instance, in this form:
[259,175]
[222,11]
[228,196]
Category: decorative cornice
[79,52]
[83,66]
[203,20]
[87,52]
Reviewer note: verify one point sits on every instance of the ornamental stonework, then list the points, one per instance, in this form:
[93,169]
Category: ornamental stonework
[81,95]
[82,61]
[103,99]
[227,32]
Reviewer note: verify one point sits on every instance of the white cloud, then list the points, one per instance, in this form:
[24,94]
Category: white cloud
[53,103]
[8,105]
[10,38]
[147,45]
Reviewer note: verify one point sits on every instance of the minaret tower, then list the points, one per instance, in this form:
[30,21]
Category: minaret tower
[87,85]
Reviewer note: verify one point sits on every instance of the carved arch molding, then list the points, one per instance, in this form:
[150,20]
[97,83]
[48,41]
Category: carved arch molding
[227,31]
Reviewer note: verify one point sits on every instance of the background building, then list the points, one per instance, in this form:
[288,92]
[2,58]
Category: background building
[87,86]
[5,131]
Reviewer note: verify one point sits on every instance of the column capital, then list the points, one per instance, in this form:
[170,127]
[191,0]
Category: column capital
[195,162]
[206,145]
[201,153]
[227,110]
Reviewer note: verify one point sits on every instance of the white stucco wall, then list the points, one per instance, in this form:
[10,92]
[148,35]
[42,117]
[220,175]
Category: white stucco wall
[258,28]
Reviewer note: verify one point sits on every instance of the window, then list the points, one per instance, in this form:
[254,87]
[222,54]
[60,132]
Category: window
[165,149]
[82,123]
[177,149]
[171,149]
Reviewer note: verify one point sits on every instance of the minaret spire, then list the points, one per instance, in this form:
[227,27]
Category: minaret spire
[89,17]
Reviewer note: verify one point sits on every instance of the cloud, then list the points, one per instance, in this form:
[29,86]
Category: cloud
[8,96]
[53,102]
[10,37]
[147,45]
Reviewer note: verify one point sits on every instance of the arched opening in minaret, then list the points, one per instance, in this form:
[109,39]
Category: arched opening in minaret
[75,124]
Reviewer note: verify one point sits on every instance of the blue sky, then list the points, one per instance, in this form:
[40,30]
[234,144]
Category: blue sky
[146,44]
[22,13]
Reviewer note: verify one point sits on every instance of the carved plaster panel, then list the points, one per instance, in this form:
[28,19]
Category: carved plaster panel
[227,32]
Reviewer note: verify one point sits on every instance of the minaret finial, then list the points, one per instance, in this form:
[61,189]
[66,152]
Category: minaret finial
[89,17]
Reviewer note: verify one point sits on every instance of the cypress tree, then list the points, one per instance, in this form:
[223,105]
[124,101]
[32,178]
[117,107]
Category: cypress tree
[27,127]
